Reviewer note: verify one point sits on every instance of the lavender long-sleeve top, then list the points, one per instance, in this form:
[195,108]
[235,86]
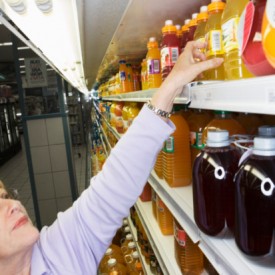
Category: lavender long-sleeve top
[77,240]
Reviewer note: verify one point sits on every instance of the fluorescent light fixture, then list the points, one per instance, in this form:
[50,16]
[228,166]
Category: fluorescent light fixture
[22,66]
[21,59]
[23,48]
[6,44]
[22,72]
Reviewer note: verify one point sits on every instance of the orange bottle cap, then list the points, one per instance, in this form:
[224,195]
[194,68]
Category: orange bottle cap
[216,5]
[169,27]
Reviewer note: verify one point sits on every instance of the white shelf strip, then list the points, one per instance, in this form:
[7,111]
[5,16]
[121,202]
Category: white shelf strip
[163,246]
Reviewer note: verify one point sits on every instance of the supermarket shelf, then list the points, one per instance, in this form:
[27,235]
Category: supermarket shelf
[146,267]
[254,95]
[163,246]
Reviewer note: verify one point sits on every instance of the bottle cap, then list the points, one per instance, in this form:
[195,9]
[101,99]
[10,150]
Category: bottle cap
[111,262]
[169,27]
[127,229]
[129,237]
[152,39]
[109,251]
[267,130]
[131,244]
[135,255]
[122,61]
[203,15]
[203,9]
[264,146]
[218,138]
[216,5]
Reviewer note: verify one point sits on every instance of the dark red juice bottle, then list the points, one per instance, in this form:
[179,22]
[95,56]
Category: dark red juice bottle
[255,199]
[213,187]
[170,48]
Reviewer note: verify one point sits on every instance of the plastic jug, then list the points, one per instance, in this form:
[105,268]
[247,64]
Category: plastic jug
[233,65]
[213,37]
[170,48]
[255,199]
[213,186]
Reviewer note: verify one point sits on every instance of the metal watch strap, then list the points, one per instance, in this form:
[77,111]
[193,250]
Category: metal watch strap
[157,111]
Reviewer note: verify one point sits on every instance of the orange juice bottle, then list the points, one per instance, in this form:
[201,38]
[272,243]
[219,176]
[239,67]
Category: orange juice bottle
[223,121]
[170,49]
[144,75]
[158,167]
[125,242]
[114,267]
[133,111]
[124,82]
[250,122]
[176,154]
[118,118]
[130,77]
[112,114]
[136,78]
[192,26]
[164,218]
[197,122]
[233,64]
[268,32]
[109,254]
[188,254]
[185,31]
[213,37]
[153,64]
[146,193]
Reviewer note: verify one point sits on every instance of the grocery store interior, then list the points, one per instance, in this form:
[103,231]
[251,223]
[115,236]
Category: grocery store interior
[74,75]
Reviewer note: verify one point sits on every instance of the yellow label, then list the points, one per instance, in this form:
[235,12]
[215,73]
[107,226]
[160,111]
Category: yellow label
[214,43]
[229,34]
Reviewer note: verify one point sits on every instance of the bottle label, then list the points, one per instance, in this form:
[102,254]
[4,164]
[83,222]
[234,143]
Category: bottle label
[169,145]
[196,140]
[161,205]
[270,12]
[122,76]
[214,43]
[229,34]
[179,235]
[169,56]
[153,66]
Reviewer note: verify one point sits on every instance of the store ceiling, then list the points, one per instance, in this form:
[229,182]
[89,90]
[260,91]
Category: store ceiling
[110,30]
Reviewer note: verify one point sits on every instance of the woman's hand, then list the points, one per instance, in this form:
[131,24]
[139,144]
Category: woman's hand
[190,64]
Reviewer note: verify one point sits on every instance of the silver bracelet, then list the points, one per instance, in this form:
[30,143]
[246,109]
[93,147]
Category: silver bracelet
[157,111]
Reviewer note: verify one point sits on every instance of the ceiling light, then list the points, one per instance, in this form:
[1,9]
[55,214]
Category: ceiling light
[17,5]
[44,5]
[23,48]
[6,44]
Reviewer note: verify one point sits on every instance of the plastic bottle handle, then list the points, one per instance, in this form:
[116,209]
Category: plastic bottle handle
[270,190]
[219,172]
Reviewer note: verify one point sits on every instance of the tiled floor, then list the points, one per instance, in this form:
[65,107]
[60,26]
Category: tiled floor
[14,174]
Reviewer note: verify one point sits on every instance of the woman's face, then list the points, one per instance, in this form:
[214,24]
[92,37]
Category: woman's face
[17,233]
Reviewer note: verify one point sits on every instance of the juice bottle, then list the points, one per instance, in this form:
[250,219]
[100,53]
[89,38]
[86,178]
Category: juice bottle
[146,193]
[185,31]
[197,122]
[136,78]
[170,48]
[256,63]
[213,186]
[188,254]
[255,199]
[213,37]
[179,34]
[125,110]
[110,254]
[223,120]
[153,63]
[124,82]
[130,79]
[164,218]
[144,75]
[134,263]
[118,118]
[268,32]
[192,26]
[250,122]
[176,154]
[185,111]
[199,34]
[133,111]
[158,167]
[112,114]
[125,242]
[154,202]
[233,65]
[119,234]
[115,268]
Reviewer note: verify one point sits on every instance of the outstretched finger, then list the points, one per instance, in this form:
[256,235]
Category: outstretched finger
[209,64]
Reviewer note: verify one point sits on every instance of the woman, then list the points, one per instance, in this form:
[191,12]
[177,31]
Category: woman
[77,240]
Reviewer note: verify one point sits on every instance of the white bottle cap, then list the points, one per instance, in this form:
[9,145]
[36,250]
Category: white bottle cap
[111,262]
[267,130]
[125,222]
[194,15]
[152,39]
[129,237]
[131,245]
[264,146]
[217,138]
[127,229]
[109,251]
[212,1]
[169,23]
[203,9]
[186,21]
[135,255]
[178,27]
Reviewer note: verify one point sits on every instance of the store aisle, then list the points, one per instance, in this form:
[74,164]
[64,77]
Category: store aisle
[14,174]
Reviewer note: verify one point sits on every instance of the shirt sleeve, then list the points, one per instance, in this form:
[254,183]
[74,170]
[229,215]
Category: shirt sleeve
[81,235]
